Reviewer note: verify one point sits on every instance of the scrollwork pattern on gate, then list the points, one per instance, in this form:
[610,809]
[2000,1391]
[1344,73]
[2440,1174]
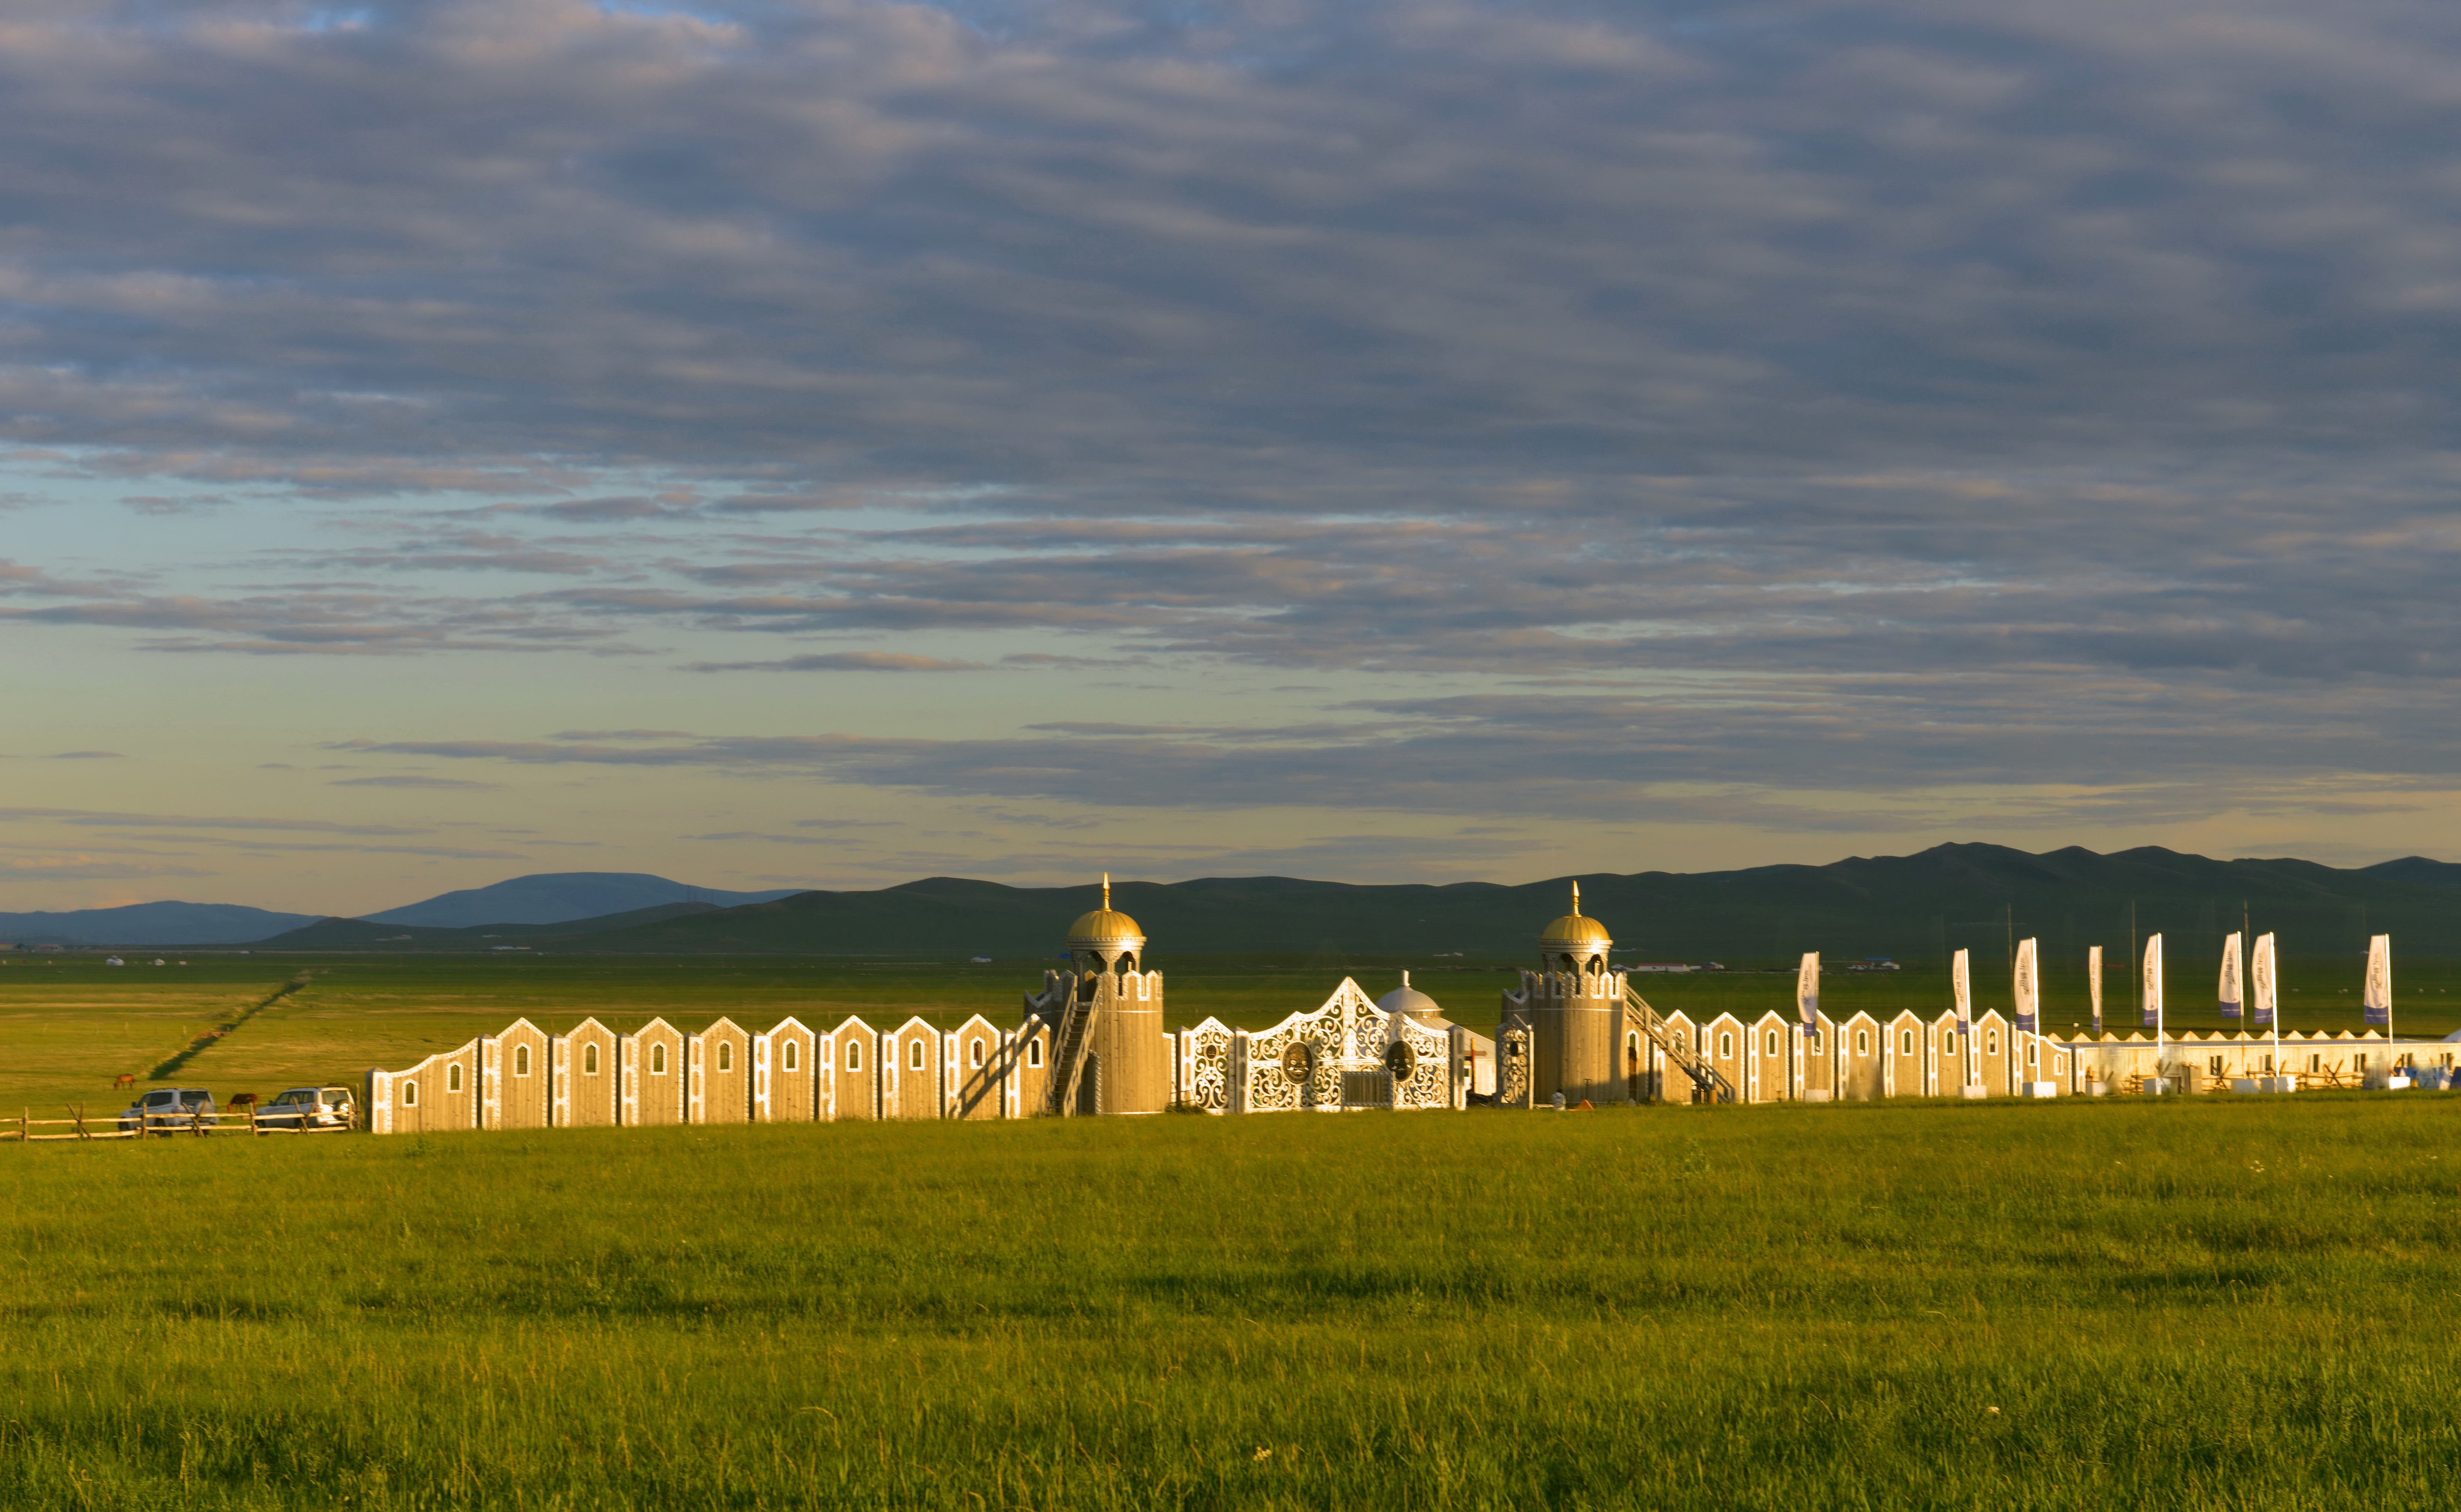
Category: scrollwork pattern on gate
[1430,1084]
[1349,1034]
[1346,1022]
[1207,1049]
[1512,1064]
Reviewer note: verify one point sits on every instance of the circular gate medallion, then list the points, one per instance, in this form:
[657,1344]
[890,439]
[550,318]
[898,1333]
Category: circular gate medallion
[1298,1061]
[1401,1060]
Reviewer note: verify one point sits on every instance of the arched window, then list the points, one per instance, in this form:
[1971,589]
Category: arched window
[1991,1043]
[1632,1048]
[1905,1042]
[974,1054]
[590,1060]
[914,1055]
[1770,1043]
[725,1056]
[2034,1053]
[1862,1042]
[786,1056]
[1033,1051]
[453,1077]
[410,1093]
[1725,1046]
[854,1055]
[521,1060]
[658,1061]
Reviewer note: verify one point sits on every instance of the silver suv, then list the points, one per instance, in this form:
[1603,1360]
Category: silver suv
[306,1108]
[168,1110]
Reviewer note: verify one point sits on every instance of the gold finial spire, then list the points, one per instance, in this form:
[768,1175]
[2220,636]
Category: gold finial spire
[1106,889]
[1576,900]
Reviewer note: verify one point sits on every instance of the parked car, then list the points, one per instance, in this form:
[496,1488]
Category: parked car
[311,1108]
[171,1110]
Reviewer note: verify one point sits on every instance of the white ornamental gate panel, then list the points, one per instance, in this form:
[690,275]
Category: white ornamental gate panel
[1419,1061]
[1349,1052]
[1205,1066]
[1298,1062]
[1512,1051]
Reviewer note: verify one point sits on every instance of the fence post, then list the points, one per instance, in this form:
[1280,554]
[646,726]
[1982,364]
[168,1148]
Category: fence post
[79,1113]
[21,1123]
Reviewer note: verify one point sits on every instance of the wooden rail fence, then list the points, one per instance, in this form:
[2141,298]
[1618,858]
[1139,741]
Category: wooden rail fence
[22,1129]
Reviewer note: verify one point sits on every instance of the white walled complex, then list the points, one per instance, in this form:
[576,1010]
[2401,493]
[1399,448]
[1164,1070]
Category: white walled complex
[1571,1033]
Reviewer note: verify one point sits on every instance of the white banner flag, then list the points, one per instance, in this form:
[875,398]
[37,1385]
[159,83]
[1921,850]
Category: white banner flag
[2029,990]
[2379,981]
[1806,992]
[2230,994]
[2093,981]
[1964,986]
[2153,982]
[2263,994]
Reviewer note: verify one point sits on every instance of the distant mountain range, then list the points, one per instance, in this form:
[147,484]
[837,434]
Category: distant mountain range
[547,898]
[150,924]
[556,897]
[1914,909]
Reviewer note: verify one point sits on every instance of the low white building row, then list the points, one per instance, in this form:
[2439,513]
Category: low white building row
[1768,1060]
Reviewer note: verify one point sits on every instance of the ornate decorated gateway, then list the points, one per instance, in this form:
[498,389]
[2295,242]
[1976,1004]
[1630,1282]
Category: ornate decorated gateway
[1348,1052]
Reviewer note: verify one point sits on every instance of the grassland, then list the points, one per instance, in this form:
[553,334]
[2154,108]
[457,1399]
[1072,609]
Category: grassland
[2217,1302]
[2203,1303]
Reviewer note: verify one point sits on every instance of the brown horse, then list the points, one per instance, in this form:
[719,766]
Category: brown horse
[126,1078]
[242,1099]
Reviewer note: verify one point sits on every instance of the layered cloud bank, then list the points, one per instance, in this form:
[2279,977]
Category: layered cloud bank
[1449,435]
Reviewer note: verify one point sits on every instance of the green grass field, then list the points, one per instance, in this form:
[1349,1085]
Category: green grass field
[2211,1302]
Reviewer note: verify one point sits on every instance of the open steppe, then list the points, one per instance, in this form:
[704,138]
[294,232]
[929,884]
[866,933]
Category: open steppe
[2213,1302]
[2208,1303]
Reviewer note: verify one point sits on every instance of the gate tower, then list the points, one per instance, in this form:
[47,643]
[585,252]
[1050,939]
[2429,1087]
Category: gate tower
[1109,1051]
[1572,1006]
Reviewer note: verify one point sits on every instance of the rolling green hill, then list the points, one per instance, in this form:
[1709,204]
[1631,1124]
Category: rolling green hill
[1914,909]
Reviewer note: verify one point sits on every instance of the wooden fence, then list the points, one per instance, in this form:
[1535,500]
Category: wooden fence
[106,1126]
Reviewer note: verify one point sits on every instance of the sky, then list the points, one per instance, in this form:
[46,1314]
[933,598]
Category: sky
[807,442]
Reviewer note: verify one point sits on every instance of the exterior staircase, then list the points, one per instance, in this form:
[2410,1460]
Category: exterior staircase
[1069,1039]
[1677,1046]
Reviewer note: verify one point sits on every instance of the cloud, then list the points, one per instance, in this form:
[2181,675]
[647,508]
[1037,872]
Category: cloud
[88,755]
[846,662]
[408,780]
[1666,760]
[892,254]
[88,868]
[101,819]
[1678,413]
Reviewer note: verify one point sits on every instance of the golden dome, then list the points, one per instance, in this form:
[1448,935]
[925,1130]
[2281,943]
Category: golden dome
[1573,928]
[1105,926]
